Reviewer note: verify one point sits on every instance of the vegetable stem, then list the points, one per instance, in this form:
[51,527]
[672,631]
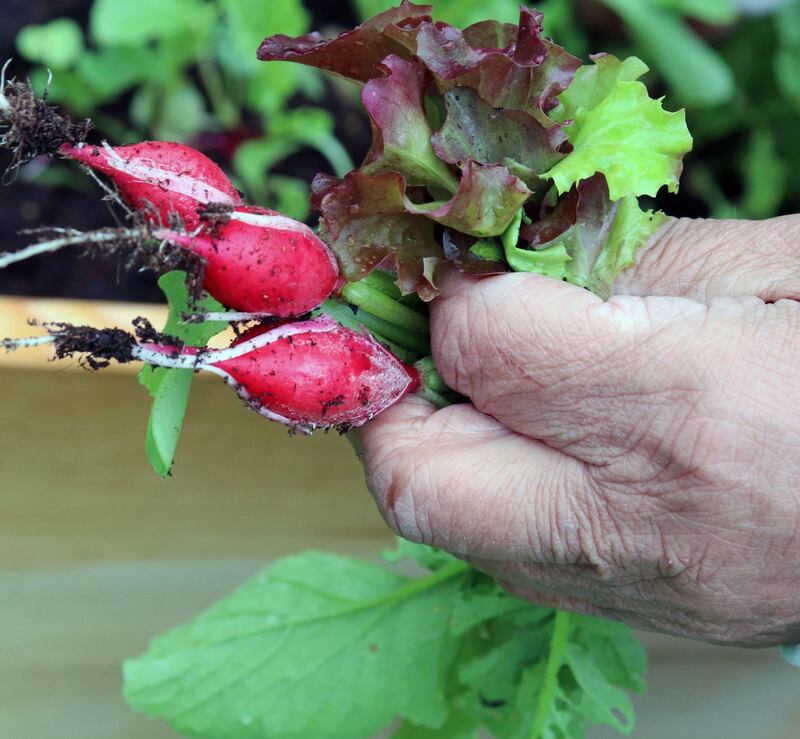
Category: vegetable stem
[431,377]
[12,344]
[374,301]
[558,646]
[383,281]
[397,334]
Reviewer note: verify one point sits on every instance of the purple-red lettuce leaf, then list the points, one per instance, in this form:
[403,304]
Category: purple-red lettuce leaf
[369,218]
[475,130]
[473,256]
[509,66]
[356,54]
[365,222]
[528,74]
[487,199]
[401,133]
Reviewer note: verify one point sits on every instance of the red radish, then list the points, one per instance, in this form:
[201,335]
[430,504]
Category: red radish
[166,176]
[306,374]
[255,260]
[263,262]
[314,374]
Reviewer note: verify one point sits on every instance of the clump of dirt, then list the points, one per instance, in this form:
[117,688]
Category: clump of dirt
[33,127]
[98,347]
[214,216]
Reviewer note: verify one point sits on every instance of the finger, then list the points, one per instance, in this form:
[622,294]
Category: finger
[554,362]
[705,259]
[459,480]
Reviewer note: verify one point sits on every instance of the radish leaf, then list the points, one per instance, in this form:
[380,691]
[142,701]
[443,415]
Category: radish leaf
[317,646]
[170,388]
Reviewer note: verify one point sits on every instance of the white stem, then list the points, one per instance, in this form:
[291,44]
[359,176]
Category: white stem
[76,238]
[5,106]
[11,344]
[229,317]
[160,359]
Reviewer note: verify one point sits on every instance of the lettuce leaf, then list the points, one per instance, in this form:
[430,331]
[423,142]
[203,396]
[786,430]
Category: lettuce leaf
[587,239]
[629,138]
[401,133]
[478,130]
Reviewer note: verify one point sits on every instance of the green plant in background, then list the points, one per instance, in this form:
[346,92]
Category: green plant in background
[190,68]
[735,73]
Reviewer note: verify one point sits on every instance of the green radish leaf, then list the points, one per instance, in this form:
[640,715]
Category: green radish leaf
[428,557]
[289,195]
[764,175]
[316,646]
[115,23]
[460,13]
[323,646]
[57,44]
[169,388]
[709,11]
[601,700]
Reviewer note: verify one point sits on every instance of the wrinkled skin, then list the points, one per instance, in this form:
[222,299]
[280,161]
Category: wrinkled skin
[637,459]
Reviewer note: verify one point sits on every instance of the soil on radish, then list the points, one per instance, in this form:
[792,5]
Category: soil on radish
[35,127]
[96,348]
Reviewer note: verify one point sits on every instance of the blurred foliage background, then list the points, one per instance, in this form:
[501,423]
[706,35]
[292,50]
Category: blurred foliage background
[186,70]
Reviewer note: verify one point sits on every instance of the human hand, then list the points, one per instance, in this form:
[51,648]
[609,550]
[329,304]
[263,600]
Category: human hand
[637,459]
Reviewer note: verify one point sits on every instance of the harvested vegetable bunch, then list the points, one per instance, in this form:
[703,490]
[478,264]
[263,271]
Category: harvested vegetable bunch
[494,150]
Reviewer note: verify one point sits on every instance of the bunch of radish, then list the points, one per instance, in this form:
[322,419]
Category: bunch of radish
[493,150]
[306,371]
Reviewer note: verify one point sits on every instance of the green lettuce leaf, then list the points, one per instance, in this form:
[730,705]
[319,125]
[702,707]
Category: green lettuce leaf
[630,139]
[586,239]
[594,82]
